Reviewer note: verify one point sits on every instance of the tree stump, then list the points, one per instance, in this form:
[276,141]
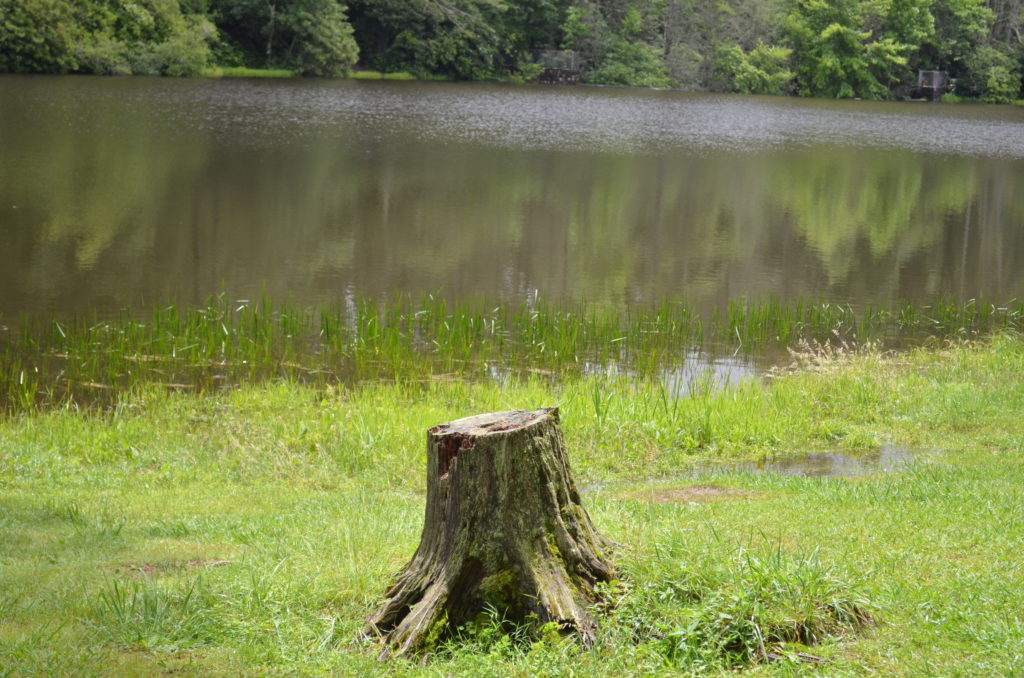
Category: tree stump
[504,529]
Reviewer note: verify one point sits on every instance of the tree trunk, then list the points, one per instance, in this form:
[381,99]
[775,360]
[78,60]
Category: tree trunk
[272,6]
[504,529]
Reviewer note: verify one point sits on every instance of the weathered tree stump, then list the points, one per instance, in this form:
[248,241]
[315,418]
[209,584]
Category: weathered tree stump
[504,528]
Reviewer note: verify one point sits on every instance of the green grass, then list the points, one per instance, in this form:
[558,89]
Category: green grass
[950,98]
[56,361]
[243,72]
[378,75]
[251,530]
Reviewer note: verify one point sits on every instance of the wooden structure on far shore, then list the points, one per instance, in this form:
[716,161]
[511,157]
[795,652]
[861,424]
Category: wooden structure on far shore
[932,84]
[559,76]
[561,66]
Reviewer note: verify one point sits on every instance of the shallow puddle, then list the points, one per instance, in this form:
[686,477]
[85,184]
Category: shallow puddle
[886,459]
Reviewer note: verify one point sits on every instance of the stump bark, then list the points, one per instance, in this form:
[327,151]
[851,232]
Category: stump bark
[504,528]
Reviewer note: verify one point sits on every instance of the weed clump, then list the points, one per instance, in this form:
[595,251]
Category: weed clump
[740,610]
[150,615]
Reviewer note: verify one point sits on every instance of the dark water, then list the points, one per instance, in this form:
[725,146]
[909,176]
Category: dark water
[124,192]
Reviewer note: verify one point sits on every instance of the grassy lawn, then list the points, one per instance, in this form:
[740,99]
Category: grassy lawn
[252,531]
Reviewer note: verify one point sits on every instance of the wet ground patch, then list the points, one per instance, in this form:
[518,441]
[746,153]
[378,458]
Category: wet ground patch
[694,487]
[693,494]
[830,464]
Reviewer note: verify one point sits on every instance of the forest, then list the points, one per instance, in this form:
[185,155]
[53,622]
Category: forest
[870,49]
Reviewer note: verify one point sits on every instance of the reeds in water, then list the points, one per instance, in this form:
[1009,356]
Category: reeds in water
[55,360]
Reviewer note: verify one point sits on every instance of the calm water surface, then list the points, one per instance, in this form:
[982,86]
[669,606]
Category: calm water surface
[119,192]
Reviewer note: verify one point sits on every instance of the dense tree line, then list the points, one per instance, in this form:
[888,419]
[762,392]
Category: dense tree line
[832,48]
[168,37]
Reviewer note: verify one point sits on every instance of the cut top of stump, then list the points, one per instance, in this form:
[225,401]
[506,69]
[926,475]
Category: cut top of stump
[494,422]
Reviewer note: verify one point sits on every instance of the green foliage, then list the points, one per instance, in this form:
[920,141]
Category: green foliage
[103,55]
[909,22]
[834,55]
[37,36]
[158,37]
[183,53]
[323,40]
[110,37]
[310,37]
[149,38]
[463,39]
[763,70]
[990,75]
[631,63]
[632,23]
[586,31]
[960,27]
[527,70]
[579,25]
[849,48]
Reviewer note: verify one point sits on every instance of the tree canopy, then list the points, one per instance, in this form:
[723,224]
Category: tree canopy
[842,48]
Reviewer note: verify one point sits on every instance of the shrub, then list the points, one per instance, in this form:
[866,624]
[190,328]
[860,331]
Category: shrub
[992,76]
[37,36]
[631,63]
[761,71]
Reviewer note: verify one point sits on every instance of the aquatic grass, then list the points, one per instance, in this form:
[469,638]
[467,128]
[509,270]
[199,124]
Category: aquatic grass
[227,341]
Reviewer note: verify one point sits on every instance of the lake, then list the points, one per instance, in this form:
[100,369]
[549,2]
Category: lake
[124,192]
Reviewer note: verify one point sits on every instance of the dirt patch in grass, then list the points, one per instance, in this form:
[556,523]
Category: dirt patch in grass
[149,569]
[694,494]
